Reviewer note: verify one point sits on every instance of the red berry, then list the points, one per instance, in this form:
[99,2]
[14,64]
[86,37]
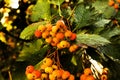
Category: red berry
[38,33]
[36,74]
[30,69]
[73,36]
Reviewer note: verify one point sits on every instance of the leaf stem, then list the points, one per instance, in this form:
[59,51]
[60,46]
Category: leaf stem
[10,76]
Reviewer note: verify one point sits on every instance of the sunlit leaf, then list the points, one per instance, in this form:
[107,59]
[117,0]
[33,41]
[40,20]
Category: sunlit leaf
[41,10]
[56,2]
[91,39]
[102,23]
[28,32]
[73,60]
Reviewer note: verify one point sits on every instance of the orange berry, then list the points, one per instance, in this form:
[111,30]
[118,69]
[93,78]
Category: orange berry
[87,71]
[55,40]
[38,33]
[90,77]
[103,77]
[41,28]
[48,62]
[118,1]
[71,77]
[73,36]
[68,34]
[111,3]
[45,34]
[57,73]
[44,76]
[42,67]
[105,71]
[53,44]
[83,77]
[49,27]
[116,6]
[65,74]
[52,34]
[60,35]
[52,77]
[54,66]
[73,48]
[36,74]
[48,40]
[30,69]
[60,23]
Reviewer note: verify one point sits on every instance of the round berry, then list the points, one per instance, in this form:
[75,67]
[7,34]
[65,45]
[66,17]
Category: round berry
[42,28]
[60,35]
[90,77]
[111,3]
[38,33]
[48,62]
[87,71]
[83,77]
[30,69]
[65,74]
[36,74]
[73,36]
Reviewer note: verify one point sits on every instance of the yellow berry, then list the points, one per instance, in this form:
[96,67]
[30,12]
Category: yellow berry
[29,76]
[63,43]
[49,70]
[55,29]
[41,28]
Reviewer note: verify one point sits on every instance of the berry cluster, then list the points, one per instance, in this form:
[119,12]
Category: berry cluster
[87,75]
[48,71]
[57,36]
[32,74]
[114,3]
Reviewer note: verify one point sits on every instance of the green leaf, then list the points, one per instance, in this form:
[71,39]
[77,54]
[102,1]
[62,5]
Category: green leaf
[28,32]
[84,16]
[73,60]
[56,2]
[112,50]
[109,33]
[91,40]
[33,52]
[100,5]
[41,10]
[109,12]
